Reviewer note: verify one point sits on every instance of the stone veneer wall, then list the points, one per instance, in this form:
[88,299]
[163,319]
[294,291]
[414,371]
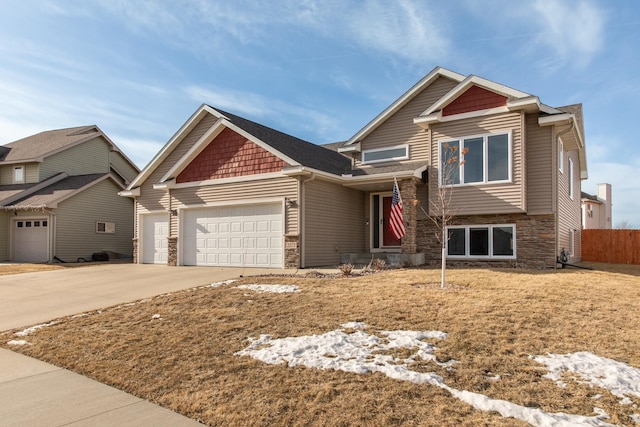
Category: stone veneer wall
[172,249]
[408,191]
[535,240]
[291,252]
[135,250]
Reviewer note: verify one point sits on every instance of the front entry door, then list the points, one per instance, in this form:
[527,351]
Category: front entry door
[388,239]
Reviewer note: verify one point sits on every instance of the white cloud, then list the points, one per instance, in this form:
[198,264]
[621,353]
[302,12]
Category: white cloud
[573,30]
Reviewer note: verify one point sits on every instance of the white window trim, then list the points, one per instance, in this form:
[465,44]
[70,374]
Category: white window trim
[560,155]
[388,159]
[485,148]
[490,227]
[571,178]
[109,227]
[24,174]
[572,242]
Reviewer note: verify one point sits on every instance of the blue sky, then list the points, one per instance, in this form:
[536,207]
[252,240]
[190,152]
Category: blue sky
[317,69]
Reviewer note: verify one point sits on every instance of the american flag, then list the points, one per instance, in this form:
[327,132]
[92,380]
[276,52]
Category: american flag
[396,222]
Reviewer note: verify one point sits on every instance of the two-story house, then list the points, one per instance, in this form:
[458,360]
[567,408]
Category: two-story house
[597,208]
[227,191]
[59,197]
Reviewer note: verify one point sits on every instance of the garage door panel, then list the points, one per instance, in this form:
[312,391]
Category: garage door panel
[155,231]
[233,236]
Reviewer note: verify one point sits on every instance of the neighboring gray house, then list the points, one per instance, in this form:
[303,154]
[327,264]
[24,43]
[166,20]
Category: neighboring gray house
[226,191]
[59,197]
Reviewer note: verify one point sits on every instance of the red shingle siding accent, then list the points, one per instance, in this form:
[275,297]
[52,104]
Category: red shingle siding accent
[229,155]
[473,99]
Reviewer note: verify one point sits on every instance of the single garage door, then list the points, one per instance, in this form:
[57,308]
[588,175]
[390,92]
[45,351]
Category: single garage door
[235,236]
[31,240]
[155,231]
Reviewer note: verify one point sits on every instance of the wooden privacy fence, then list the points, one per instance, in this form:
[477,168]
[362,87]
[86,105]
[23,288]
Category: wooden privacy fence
[611,246]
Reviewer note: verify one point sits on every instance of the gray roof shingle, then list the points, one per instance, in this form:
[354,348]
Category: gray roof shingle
[56,191]
[44,143]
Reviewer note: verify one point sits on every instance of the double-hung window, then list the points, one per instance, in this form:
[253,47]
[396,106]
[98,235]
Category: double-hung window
[476,160]
[570,178]
[482,241]
[18,174]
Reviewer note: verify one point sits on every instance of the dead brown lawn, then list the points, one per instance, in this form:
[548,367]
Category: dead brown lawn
[495,319]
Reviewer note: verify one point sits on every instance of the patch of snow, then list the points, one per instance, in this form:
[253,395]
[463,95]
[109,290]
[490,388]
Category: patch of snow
[28,331]
[635,418]
[75,316]
[493,378]
[619,378]
[280,289]
[156,316]
[354,325]
[225,282]
[18,342]
[363,353]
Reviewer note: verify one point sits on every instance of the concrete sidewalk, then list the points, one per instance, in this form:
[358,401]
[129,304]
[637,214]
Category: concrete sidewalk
[34,393]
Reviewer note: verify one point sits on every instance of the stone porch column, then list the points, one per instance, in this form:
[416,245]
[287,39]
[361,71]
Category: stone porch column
[408,189]
[172,249]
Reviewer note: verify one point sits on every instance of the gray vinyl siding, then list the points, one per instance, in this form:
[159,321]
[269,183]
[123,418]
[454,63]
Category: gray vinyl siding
[123,166]
[333,224]
[240,192]
[151,200]
[541,164]
[399,129]
[486,198]
[4,236]
[76,219]
[86,158]
[30,174]
[569,210]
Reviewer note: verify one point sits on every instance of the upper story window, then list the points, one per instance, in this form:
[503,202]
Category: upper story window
[400,152]
[560,156]
[476,160]
[18,174]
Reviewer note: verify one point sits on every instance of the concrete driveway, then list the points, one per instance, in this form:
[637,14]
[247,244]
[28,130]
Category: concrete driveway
[32,298]
[35,393]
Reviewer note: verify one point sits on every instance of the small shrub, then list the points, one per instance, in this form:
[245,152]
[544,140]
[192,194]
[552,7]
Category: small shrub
[379,264]
[346,269]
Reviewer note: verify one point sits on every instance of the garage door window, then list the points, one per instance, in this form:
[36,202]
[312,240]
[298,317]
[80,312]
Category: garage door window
[30,224]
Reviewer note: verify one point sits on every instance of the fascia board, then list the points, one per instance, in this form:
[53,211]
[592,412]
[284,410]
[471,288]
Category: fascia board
[130,193]
[416,173]
[161,155]
[196,149]
[355,148]
[474,81]
[554,119]
[400,102]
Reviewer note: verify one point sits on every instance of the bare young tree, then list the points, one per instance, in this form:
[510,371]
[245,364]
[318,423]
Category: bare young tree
[441,210]
[623,224]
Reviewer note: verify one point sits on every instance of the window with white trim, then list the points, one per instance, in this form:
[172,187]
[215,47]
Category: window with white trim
[400,152]
[477,159]
[482,241]
[560,156]
[18,174]
[570,178]
[105,227]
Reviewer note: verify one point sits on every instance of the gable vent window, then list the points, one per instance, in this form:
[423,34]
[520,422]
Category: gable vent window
[105,227]
[386,154]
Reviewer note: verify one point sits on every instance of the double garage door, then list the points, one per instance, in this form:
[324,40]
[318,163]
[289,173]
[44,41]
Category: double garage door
[229,236]
[235,236]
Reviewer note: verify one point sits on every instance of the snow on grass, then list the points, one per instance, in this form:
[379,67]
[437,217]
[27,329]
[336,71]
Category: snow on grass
[619,378]
[225,282]
[363,353]
[17,342]
[32,329]
[279,289]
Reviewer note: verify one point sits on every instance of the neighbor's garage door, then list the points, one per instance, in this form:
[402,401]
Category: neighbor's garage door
[238,236]
[31,240]
[155,230]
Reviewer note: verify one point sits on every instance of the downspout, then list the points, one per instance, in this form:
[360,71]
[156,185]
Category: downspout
[558,135]
[301,219]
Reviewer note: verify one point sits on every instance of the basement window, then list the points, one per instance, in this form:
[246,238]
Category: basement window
[104,227]
[482,241]
[400,152]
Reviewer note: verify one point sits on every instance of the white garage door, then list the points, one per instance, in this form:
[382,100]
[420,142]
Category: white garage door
[155,231]
[31,240]
[238,236]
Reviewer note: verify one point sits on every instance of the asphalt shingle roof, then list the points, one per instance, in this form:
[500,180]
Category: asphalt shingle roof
[303,152]
[57,191]
[44,143]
